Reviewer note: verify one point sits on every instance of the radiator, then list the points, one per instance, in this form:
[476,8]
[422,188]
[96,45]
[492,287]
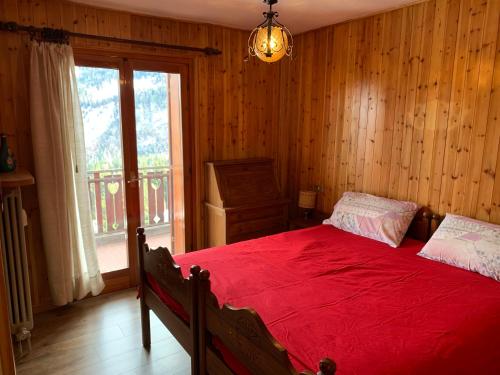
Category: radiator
[12,223]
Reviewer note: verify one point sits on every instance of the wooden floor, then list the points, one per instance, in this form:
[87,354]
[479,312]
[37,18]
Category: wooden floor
[101,336]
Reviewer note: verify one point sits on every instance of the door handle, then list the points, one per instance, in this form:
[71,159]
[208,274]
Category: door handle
[133,178]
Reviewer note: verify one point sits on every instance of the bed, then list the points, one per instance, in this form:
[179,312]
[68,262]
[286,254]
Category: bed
[322,292]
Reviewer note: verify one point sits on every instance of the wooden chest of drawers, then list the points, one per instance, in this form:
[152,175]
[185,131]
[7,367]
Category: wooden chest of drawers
[243,201]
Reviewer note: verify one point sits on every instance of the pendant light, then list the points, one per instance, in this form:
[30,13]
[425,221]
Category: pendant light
[271,40]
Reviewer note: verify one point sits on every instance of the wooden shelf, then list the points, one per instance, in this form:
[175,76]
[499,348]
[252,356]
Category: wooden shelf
[20,177]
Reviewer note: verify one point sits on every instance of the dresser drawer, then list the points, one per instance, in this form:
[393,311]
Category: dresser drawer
[256,213]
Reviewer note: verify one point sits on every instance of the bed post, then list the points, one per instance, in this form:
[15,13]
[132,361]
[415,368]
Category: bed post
[427,216]
[327,367]
[145,323]
[435,220]
[194,319]
[203,293]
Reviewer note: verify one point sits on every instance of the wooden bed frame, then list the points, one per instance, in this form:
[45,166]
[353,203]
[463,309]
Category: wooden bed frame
[240,330]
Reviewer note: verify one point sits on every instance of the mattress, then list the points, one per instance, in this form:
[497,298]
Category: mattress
[323,292]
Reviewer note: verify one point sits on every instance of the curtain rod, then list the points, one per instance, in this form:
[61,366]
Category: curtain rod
[62,36]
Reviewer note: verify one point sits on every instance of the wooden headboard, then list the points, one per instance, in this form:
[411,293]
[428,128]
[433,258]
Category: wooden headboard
[424,224]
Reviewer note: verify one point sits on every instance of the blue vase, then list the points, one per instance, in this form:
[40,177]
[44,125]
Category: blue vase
[7,162]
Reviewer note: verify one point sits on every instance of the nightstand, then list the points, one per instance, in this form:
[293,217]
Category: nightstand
[301,223]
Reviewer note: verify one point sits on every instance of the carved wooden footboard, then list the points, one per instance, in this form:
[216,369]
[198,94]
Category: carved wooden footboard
[160,265]
[241,332]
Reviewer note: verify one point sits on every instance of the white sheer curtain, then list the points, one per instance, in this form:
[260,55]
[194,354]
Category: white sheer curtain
[61,174]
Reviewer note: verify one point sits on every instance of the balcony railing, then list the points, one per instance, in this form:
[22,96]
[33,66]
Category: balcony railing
[107,198]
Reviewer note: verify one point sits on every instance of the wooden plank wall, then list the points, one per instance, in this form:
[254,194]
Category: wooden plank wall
[404,104]
[234,106]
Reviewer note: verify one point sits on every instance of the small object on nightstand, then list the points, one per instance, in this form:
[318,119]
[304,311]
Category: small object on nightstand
[301,222]
[307,202]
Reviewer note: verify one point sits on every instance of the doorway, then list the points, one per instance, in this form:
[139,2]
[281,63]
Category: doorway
[136,123]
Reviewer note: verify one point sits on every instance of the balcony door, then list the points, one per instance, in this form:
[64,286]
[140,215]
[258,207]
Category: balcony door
[136,124]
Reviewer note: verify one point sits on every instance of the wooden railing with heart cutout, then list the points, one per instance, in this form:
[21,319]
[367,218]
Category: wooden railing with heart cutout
[107,198]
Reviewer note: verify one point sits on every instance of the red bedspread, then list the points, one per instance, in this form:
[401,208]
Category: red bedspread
[373,309]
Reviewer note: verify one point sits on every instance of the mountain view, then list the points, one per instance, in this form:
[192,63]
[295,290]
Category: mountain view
[99,91]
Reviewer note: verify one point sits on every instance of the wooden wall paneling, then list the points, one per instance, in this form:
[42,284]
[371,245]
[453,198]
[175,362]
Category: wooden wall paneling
[290,80]
[92,26]
[309,77]
[489,182]
[295,120]
[218,86]
[351,127]
[278,135]
[39,9]
[53,13]
[68,19]
[380,51]
[364,68]
[251,134]
[421,100]
[9,9]
[444,102]
[411,94]
[340,47]
[482,106]
[455,109]
[298,120]
[282,129]
[469,104]
[410,108]
[325,144]
[264,117]
[286,126]
[373,97]
[240,87]
[399,125]
[305,114]
[25,11]
[392,57]
[386,104]
[317,112]
[357,83]
[430,113]
[225,134]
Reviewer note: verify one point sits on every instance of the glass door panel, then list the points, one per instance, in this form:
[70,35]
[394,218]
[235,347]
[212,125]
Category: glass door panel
[99,92]
[154,155]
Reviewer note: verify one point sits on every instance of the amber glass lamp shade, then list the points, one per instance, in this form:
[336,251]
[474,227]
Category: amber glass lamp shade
[270,46]
[270,40]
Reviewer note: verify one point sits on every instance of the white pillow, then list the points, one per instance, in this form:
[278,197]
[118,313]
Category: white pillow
[466,243]
[382,219]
